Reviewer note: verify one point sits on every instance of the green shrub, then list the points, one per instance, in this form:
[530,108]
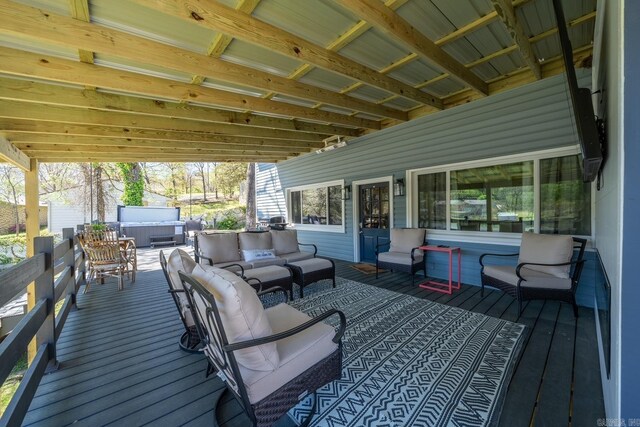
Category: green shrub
[228,223]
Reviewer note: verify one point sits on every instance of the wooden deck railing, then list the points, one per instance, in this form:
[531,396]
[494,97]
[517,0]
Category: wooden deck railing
[57,272]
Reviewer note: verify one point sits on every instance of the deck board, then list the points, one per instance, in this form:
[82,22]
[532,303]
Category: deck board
[120,363]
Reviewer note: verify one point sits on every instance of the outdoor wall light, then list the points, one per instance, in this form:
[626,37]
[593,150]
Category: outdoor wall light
[398,187]
[346,192]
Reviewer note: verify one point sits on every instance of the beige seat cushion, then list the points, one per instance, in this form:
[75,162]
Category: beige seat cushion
[268,273]
[249,241]
[179,260]
[405,239]
[242,315]
[232,265]
[265,262]
[296,256]
[402,258]
[220,247]
[547,249]
[313,264]
[284,241]
[297,353]
[534,278]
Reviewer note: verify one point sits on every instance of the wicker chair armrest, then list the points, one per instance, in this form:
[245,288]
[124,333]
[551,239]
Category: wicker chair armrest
[484,255]
[522,264]
[413,251]
[315,248]
[273,290]
[276,337]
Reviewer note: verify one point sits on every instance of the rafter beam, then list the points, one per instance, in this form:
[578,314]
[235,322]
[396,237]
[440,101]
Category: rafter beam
[57,157]
[216,16]
[59,114]
[221,41]
[41,93]
[11,154]
[26,64]
[17,20]
[507,13]
[80,11]
[11,128]
[520,77]
[390,22]
[36,141]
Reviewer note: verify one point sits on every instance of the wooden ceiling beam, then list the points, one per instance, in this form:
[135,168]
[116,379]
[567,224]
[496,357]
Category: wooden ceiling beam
[520,77]
[88,157]
[42,140]
[216,16]
[12,128]
[42,93]
[60,114]
[33,65]
[19,20]
[507,13]
[63,149]
[11,154]
[222,41]
[391,23]
[80,11]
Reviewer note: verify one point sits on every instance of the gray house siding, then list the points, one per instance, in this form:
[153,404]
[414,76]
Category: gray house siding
[530,118]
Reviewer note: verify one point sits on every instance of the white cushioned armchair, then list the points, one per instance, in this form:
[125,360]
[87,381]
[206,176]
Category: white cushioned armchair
[403,254]
[269,358]
[547,268]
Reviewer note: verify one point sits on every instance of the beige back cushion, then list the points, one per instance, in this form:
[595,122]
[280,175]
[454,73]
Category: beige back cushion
[547,249]
[250,241]
[405,239]
[220,247]
[179,260]
[242,315]
[284,241]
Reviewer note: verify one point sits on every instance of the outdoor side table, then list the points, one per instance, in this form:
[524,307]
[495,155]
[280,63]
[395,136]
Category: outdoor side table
[432,285]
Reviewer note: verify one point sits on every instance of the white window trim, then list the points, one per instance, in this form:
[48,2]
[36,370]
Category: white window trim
[355,212]
[315,227]
[510,239]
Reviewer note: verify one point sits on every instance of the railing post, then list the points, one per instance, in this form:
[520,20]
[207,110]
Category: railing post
[81,277]
[69,260]
[44,288]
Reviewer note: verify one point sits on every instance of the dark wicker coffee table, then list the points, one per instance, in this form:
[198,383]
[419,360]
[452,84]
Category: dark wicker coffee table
[311,270]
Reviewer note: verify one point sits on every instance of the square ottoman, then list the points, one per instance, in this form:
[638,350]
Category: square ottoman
[270,276]
[311,270]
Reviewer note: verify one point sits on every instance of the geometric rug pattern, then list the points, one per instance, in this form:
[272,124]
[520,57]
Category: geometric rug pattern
[411,362]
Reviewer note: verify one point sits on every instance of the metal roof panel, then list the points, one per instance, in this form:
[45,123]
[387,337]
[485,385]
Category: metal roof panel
[326,79]
[250,55]
[375,50]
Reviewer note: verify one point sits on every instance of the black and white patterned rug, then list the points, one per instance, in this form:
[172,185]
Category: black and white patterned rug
[409,361]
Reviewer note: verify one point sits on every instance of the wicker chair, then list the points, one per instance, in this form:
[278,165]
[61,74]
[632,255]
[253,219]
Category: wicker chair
[104,256]
[179,260]
[404,253]
[269,358]
[548,268]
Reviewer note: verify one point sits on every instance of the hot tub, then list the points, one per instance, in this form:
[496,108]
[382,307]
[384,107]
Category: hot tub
[151,226]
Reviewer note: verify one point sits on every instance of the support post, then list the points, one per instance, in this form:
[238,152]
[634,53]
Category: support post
[32,203]
[70,261]
[44,289]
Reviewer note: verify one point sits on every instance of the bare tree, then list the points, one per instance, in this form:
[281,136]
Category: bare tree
[11,187]
[201,172]
[251,195]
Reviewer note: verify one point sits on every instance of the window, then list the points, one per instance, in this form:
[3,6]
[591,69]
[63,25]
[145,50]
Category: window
[317,206]
[543,193]
[492,198]
[432,201]
[565,201]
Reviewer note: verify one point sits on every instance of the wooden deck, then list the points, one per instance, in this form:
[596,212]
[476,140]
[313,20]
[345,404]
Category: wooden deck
[120,363]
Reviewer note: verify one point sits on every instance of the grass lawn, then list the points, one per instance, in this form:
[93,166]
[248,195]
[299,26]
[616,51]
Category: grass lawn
[12,382]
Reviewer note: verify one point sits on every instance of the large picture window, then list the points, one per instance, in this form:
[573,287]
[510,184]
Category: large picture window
[315,206]
[544,194]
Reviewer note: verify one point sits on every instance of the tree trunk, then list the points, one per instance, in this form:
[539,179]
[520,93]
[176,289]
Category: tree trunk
[215,178]
[204,186]
[251,195]
[100,196]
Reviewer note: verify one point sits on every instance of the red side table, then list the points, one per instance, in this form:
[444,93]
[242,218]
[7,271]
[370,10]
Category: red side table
[438,286]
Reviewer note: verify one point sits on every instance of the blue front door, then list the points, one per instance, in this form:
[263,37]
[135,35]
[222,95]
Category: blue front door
[374,219]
